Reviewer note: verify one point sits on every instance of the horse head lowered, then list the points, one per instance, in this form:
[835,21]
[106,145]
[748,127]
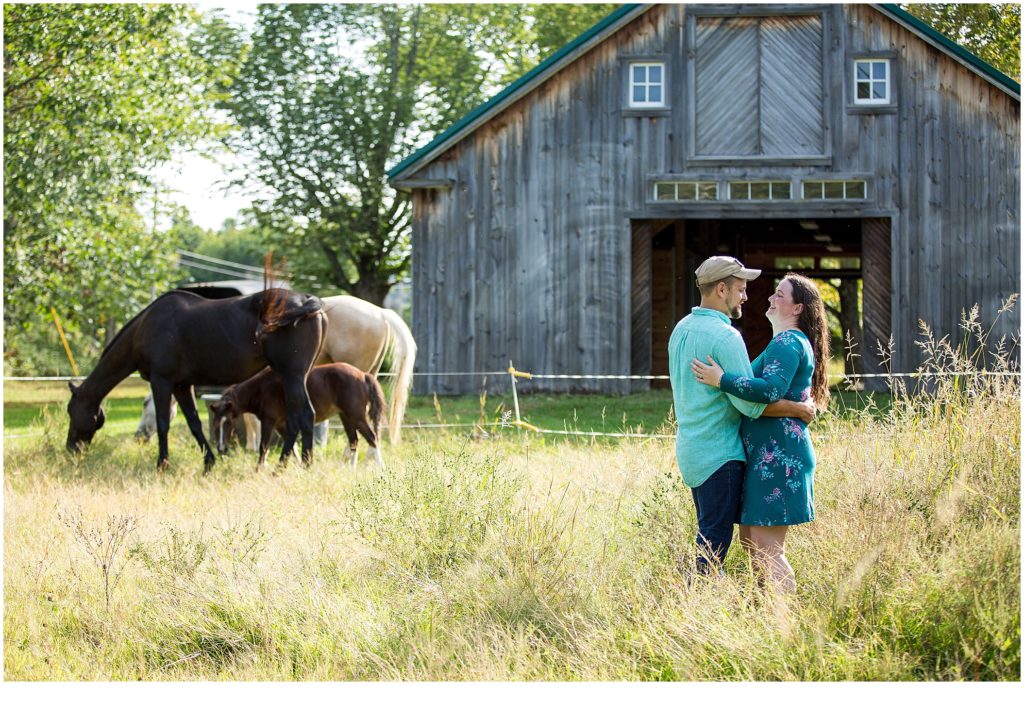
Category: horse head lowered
[182,339]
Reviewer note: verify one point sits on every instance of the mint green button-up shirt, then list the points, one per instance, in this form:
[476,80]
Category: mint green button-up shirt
[709,419]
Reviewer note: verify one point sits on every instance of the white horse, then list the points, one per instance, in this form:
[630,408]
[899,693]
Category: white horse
[362,334]
[358,333]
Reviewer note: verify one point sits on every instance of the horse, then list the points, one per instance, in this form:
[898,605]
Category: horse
[338,387]
[147,423]
[361,334]
[181,340]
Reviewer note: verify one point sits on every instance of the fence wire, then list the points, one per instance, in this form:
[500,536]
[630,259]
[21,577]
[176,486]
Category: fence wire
[521,424]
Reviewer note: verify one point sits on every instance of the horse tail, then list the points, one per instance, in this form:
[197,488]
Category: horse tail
[376,401]
[403,358]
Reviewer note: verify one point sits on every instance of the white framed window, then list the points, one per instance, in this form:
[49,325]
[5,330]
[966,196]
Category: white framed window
[760,190]
[834,189]
[685,190]
[872,81]
[647,84]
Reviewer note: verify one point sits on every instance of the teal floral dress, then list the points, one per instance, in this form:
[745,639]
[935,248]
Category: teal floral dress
[778,485]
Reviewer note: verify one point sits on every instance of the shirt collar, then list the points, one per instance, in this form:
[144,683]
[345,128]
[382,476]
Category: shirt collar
[703,311]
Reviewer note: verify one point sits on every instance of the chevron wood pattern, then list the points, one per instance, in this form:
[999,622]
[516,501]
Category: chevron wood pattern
[792,120]
[726,88]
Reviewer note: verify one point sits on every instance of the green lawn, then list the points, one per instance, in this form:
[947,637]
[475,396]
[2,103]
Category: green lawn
[26,403]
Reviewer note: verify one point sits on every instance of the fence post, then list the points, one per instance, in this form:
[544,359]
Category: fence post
[515,396]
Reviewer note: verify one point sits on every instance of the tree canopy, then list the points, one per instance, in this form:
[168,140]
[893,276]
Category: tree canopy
[94,97]
[991,31]
[328,97]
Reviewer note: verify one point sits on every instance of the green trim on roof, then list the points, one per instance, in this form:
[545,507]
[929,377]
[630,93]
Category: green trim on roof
[988,69]
[892,10]
[524,79]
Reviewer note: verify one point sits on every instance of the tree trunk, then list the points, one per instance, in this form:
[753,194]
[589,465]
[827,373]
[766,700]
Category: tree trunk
[373,291]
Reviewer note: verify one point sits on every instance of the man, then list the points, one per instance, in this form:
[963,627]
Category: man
[708,445]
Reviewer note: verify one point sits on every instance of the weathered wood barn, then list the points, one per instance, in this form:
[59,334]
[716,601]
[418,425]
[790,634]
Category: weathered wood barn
[559,224]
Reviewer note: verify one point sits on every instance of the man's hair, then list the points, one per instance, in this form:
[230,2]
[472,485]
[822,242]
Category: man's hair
[709,289]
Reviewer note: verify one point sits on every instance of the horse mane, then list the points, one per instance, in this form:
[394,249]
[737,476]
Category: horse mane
[275,299]
[274,311]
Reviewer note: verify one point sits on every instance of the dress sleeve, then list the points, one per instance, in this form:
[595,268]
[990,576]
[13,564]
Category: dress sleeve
[778,365]
[731,354]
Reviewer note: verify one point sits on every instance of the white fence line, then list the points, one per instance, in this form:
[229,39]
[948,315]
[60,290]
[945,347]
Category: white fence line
[537,376]
[520,424]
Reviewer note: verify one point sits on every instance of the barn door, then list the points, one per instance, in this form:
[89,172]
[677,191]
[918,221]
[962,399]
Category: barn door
[876,268]
[657,297]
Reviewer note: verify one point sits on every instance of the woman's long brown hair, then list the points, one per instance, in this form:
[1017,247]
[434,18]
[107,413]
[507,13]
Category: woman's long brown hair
[814,324]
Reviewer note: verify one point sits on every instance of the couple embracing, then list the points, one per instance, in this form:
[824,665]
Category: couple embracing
[743,445]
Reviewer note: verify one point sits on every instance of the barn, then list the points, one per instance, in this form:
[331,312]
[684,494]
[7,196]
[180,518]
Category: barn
[558,225]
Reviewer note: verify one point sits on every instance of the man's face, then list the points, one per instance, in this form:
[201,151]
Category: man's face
[735,296]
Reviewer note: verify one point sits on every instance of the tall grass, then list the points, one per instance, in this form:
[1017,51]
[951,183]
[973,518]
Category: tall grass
[519,558]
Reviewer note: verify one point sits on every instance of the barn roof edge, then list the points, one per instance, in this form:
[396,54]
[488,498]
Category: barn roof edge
[523,80]
[986,69]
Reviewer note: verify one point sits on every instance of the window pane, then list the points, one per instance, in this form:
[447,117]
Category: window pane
[878,91]
[638,74]
[759,191]
[812,190]
[878,70]
[793,263]
[709,191]
[654,74]
[863,91]
[654,93]
[834,190]
[863,71]
[638,94]
[855,189]
[781,191]
[665,191]
[687,191]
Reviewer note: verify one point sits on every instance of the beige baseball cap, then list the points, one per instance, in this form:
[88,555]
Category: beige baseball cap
[718,268]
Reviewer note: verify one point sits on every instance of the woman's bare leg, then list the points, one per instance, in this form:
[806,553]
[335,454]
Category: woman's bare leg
[769,543]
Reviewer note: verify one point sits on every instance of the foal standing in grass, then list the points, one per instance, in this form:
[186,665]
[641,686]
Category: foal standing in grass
[340,388]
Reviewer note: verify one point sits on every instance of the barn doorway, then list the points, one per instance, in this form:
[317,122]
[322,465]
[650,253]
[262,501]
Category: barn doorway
[850,256]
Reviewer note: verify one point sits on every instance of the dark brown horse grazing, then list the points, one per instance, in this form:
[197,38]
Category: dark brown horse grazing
[337,387]
[182,339]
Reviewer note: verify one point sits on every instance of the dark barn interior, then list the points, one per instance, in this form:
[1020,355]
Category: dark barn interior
[667,252]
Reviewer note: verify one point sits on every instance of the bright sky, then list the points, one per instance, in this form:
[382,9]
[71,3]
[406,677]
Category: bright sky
[200,182]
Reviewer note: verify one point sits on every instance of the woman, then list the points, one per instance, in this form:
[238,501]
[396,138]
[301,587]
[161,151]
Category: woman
[778,485]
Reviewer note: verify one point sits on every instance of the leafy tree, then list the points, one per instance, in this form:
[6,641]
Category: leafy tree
[237,241]
[991,31]
[94,97]
[328,97]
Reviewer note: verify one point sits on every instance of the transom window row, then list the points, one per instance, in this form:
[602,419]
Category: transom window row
[757,190]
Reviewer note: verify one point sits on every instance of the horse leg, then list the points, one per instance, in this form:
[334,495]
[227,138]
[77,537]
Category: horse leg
[371,438]
[162,405]
[266,431]
[351,453]
[290,353]
[187,401]
[253,426]
[299,418]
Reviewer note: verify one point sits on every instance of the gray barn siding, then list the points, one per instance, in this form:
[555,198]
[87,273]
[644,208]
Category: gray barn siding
[528,258]
[953,151]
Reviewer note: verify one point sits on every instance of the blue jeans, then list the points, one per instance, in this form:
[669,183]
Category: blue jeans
[718,508]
